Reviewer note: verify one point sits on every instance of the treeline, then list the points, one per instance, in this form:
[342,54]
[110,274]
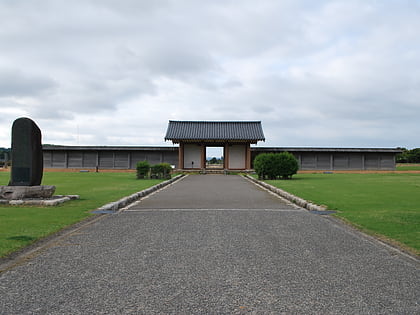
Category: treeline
[409,156]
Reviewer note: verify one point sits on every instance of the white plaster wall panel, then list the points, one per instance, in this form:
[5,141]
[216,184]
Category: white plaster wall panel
[192,156]
[237,153]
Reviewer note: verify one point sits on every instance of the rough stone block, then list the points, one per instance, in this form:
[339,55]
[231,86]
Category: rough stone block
[24,192]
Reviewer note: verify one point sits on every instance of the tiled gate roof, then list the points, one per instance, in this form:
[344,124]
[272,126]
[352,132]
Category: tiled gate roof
[215,130]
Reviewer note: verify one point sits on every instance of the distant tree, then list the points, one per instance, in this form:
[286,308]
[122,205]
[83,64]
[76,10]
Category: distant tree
[409,156]
[402,157]
[414,156]
[213,160]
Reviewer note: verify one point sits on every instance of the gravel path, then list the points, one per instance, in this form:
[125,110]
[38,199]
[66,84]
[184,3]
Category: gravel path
[213,244]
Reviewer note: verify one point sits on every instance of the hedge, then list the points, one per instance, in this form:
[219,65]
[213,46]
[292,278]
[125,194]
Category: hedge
[276,165]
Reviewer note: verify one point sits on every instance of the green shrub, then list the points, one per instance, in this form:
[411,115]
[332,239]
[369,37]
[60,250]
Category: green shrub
[143,169]
[161,170]
[275,165]
[289,165]
[262,164]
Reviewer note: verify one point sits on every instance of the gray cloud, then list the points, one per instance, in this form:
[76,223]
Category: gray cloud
[330,73]
[15,83]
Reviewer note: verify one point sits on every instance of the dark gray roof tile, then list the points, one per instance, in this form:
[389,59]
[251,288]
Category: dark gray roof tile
[215,130]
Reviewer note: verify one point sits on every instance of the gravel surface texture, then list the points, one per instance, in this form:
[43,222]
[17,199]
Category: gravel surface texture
[213,244]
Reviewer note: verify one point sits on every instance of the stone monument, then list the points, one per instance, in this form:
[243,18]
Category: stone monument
[27,163]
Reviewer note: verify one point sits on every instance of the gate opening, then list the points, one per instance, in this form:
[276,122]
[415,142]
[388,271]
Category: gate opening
[214,157]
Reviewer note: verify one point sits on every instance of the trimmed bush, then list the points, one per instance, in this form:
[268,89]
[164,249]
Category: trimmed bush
[275,165]
[143,169]
[262,165]
[161,170]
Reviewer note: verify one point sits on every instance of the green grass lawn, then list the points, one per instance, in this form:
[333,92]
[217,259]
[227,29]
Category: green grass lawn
[22,225]
[408,167]
[382,204]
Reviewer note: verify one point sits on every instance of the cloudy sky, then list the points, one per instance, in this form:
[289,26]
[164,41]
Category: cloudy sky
[114,72]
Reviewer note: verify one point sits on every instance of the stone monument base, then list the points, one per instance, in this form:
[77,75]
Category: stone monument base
[53,201]
[25,192]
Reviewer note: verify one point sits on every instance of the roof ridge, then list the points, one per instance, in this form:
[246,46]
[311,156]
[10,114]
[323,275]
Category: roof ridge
[216,121]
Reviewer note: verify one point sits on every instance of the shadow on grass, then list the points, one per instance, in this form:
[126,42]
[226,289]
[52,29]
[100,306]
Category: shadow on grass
[22,238]
[286,179]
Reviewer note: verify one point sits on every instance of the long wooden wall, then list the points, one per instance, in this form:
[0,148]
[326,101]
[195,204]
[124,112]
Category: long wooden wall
[342,160]
[107,159]
[363,159]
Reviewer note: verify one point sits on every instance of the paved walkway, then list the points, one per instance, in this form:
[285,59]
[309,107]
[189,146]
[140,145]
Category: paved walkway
[213,245]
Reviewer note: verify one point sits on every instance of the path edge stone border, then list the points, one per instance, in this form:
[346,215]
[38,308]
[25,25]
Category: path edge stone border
[125,201]
[288,196]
